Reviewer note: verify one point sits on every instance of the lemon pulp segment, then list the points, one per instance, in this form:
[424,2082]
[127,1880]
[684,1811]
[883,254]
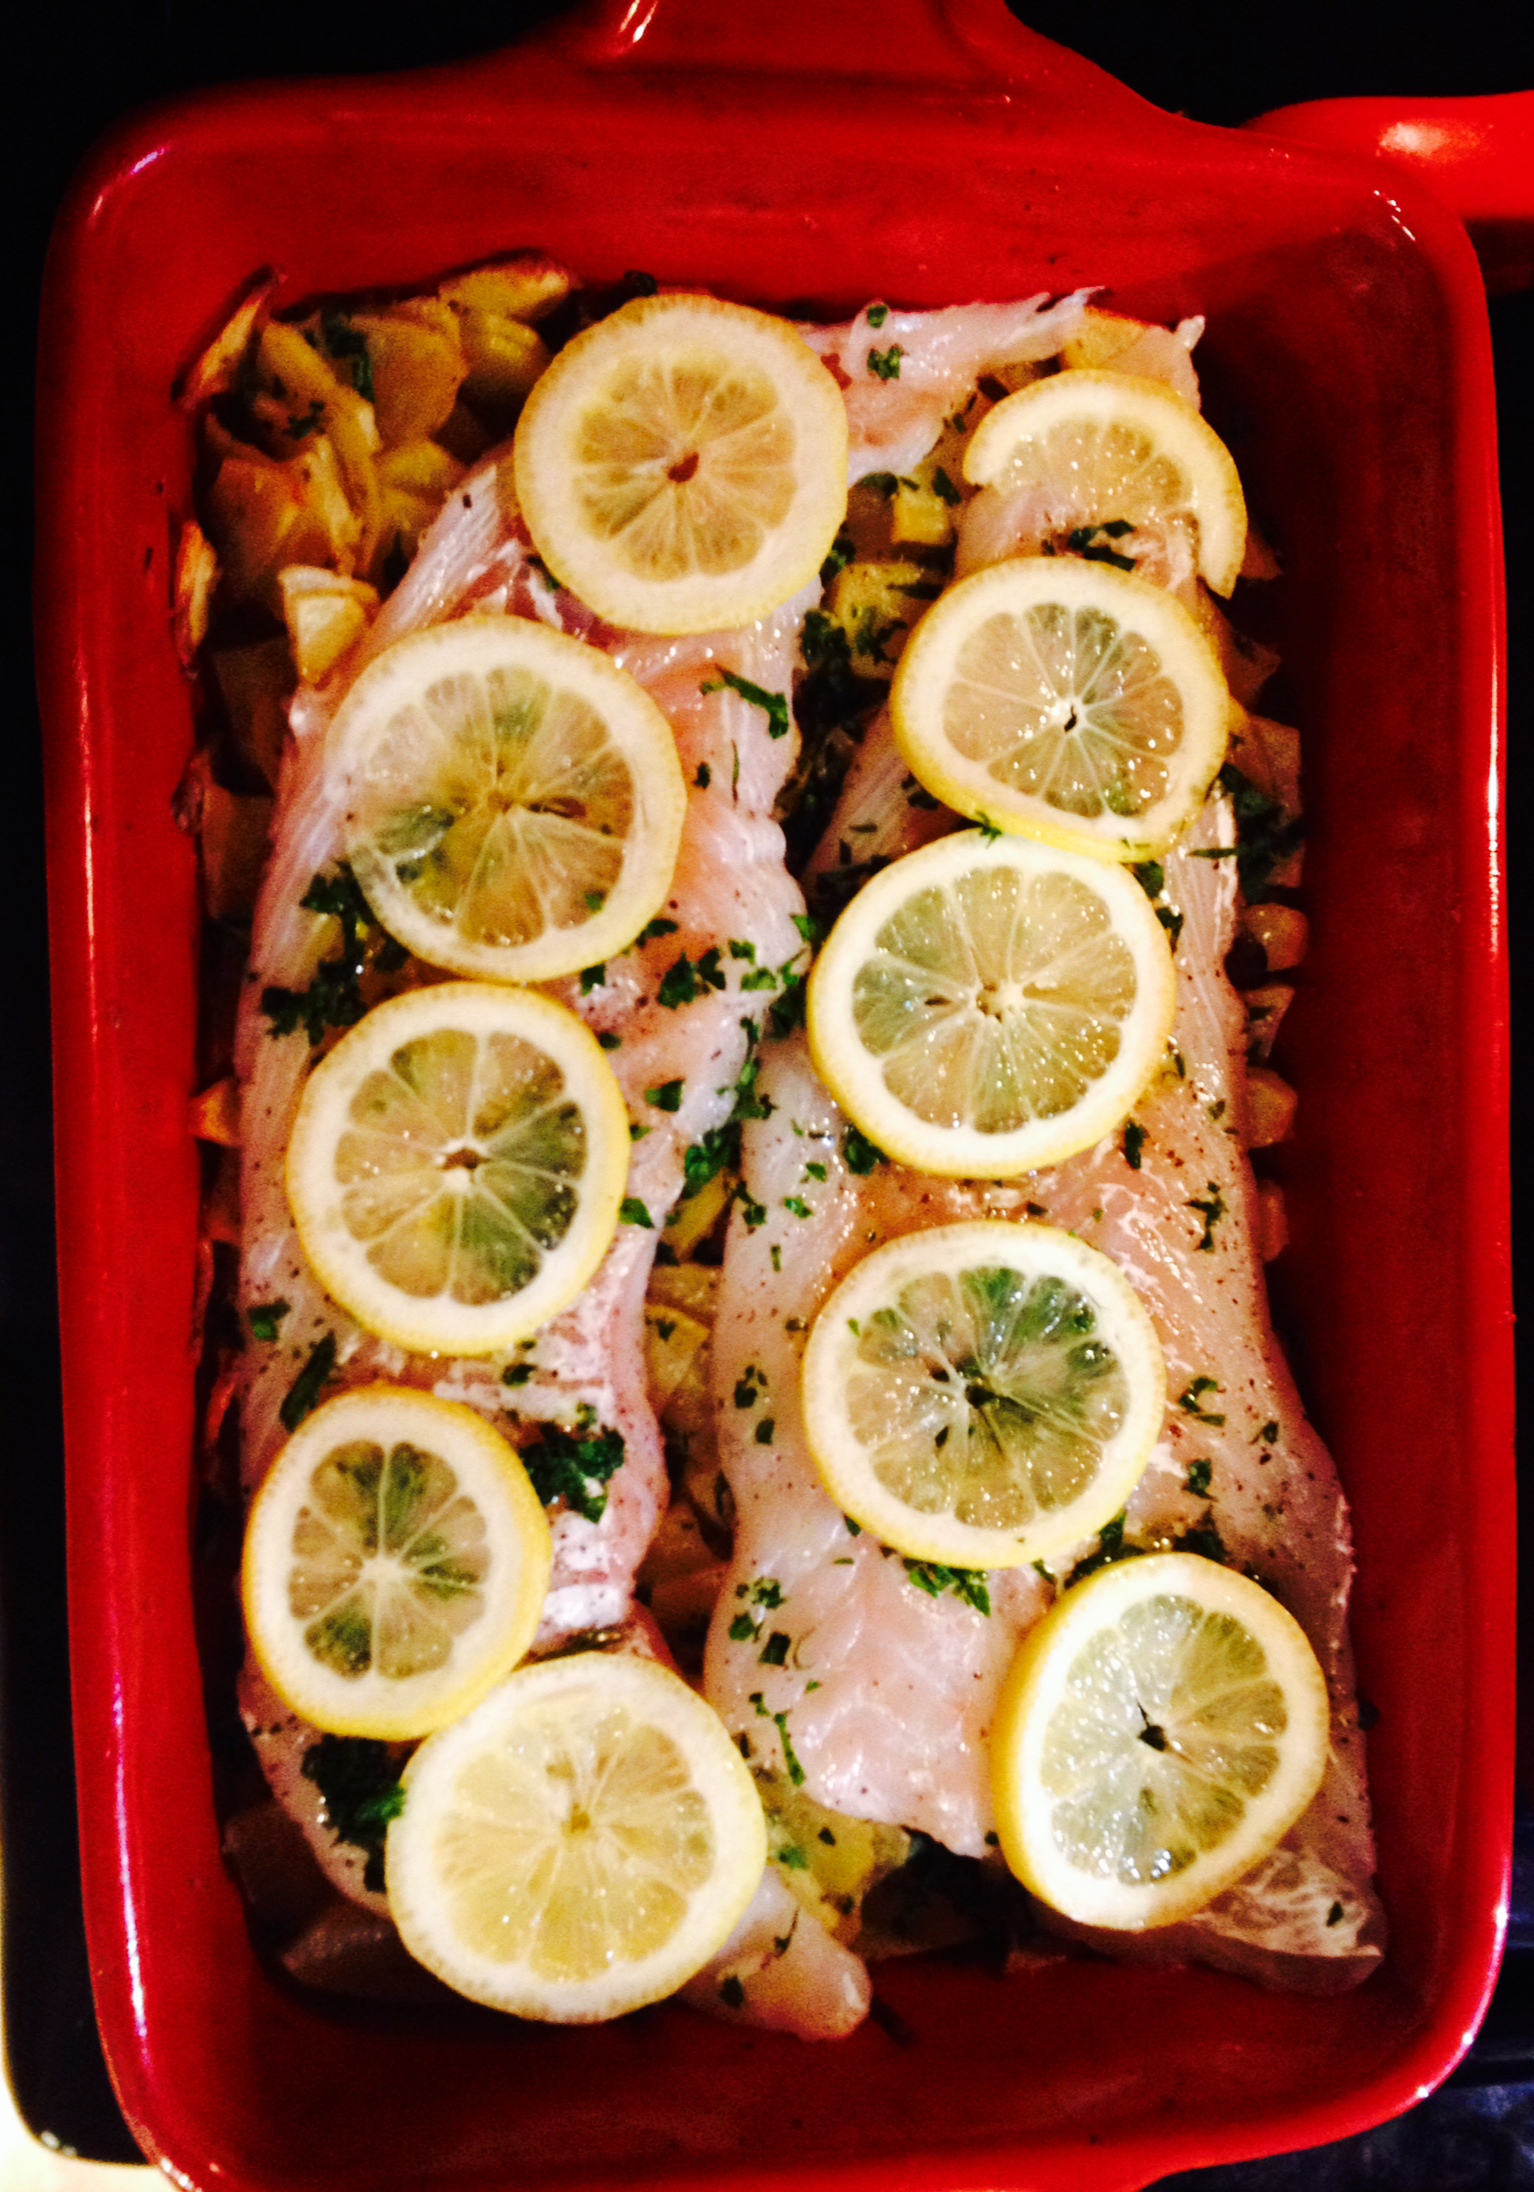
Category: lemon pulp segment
[983,1394]
[984,1008]
[682,465]
[396,1563]
[514,798]
[456,1166]
[578,1846]
[1160,1732]
[1114,464]
[1065,700]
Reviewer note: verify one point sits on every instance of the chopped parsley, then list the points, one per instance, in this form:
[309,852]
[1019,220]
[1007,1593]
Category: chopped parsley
[575,1466]
[608,1039]
[775,704]
[660,926]
[765,1431]
[859,1154]
[798,1206]
[1266,836]
[359,1780]
[665,1096]
[302,1396]
[774,1653]
[1197,1479]
[704,777]
[345,345]
[944,488]
[1110,1547]
[842,551]
[1191,1400]
[1134,1143]
[1083,541]
[265,1318]
[732,1992]
[592,978]
[966,1583]
[688,979]
[753,1213]
[334,998]
[1211,1209]
[885,364]
[877,315]
[519,1373]
[631,1211]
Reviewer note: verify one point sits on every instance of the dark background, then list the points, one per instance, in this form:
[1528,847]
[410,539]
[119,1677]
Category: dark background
[89,64]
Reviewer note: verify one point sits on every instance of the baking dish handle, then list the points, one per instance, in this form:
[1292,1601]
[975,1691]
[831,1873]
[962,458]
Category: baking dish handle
[1476,155]
[974,46]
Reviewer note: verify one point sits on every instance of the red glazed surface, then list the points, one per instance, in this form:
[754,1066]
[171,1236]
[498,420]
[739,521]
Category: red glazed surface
[1349,365]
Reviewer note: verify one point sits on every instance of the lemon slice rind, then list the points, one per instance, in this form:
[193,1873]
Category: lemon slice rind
[538,1738]
[1037,1253]
[517,1545]
[855,1076]
[1016,589]
[394,744]
[438,1323]
[1036,1690]
[1007,436]
[700,351]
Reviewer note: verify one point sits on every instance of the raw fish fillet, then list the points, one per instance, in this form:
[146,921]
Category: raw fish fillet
[889,1693]
[730,884]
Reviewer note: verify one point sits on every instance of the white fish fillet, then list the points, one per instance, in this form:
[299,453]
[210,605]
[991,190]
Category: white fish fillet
[730,884]
[889,1692]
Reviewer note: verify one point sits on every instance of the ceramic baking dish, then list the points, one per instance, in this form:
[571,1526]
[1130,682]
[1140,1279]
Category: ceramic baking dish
[808,155]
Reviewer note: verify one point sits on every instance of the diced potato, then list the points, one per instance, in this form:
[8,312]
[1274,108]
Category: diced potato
[414,481]
[1282,931]
[690,1287]
[265,515]
[1269,754]
[673,1341]
[1272,1220]
[1265,1009]
[1247,664]
[525,287]
[221,1201]
[1270,1107]
[922,515]
[257,684]
[697,1216]
[1259,560]
[828,1860]
[1102,337]
[234,846]
[295,372]
[214,1116]
[876,604]
[325,614]
[196,577]
[505,357]
[418,369]
[215,370]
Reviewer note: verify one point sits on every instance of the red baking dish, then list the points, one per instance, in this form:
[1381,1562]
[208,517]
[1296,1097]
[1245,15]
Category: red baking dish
[791,156]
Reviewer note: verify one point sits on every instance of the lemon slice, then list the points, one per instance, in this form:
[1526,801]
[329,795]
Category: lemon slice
[1064,700]
[983,1394]
[514,798]
[1105,450]
[682,465]
[396,1564]
[986,1007]
[456,1166]
[1161,1730]
[580,1845]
